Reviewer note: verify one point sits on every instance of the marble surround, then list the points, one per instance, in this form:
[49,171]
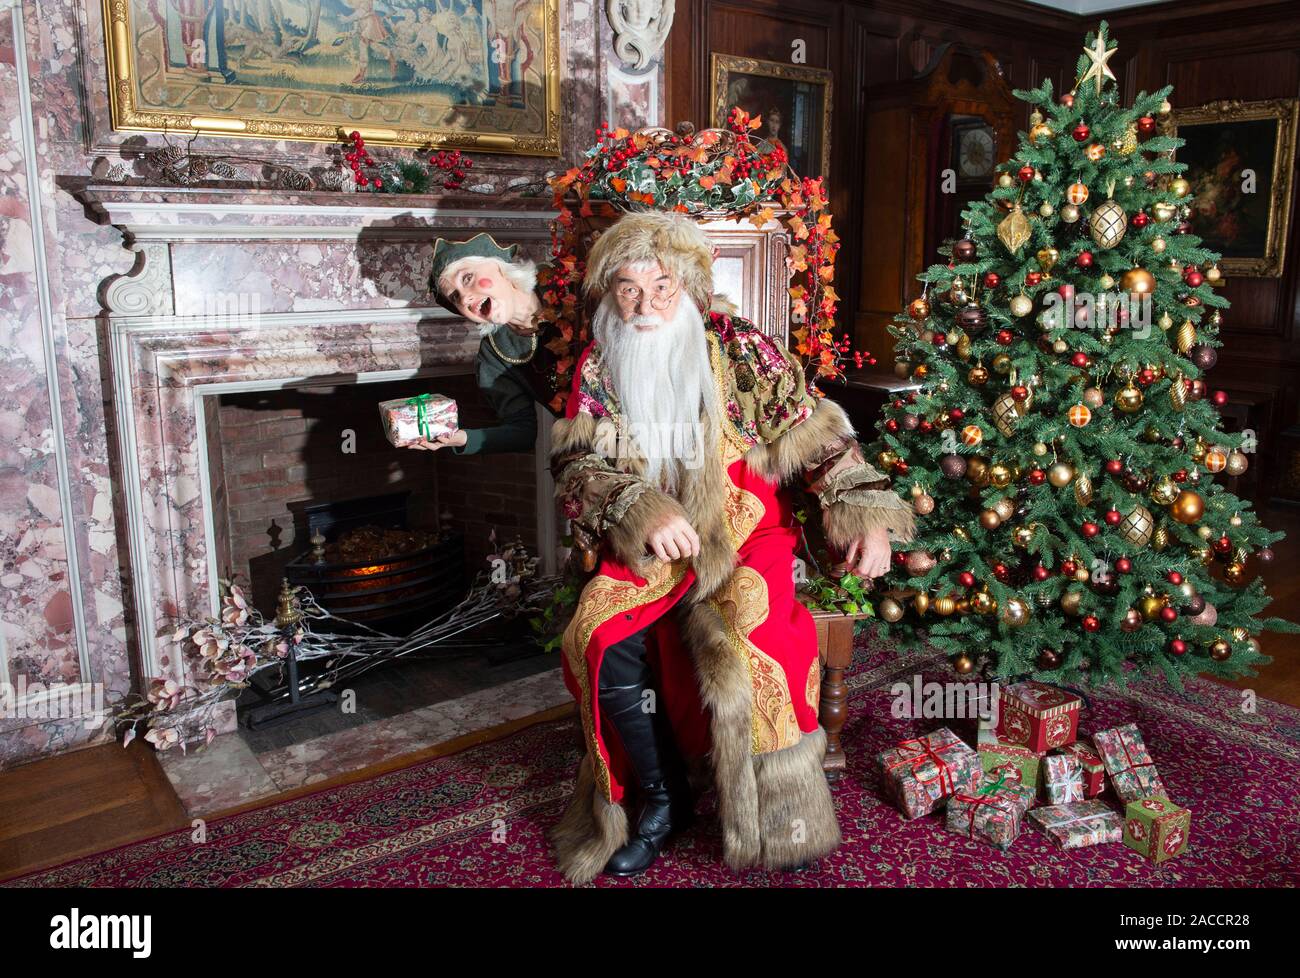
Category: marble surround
[67,544]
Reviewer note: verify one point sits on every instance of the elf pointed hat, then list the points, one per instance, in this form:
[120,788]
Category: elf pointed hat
[673,240]
[447,253]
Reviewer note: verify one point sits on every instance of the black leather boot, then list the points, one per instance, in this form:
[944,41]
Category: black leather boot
[666,802]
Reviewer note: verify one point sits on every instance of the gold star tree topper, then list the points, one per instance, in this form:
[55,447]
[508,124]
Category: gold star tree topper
[1099,69]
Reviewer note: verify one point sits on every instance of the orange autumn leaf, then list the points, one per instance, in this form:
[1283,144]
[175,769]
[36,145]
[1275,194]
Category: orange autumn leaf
[766,214]
[826,272]
[585,210]
[654,161]
[756,122]
[708,183]
[618,183]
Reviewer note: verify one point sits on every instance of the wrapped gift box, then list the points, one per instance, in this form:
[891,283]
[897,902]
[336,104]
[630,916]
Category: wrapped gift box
[1018,762]
[1062,779]
[1094,771]
[1129,764]
[409,419]
[1080,823]
[920,774]
[1038,715]
[1157,828]
[994,813]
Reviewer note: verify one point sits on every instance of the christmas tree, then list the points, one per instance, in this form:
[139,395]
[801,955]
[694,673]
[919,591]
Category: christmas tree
[1062,449]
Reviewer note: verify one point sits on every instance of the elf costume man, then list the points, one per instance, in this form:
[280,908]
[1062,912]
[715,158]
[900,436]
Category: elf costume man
[683,430]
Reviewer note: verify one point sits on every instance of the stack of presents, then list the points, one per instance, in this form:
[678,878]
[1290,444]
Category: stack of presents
[1034,764]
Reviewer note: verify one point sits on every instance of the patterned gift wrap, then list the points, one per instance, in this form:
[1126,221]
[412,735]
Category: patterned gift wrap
[994,813]
[1094,771]
[920,773]
[1038,715]
[1062,779]
[1157,828]
[408,419]
[1080,823]
[998,756]
[1129,764]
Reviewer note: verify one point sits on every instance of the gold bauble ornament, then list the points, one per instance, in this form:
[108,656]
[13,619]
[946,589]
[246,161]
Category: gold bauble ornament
[999,475]
[982,603]
[964,664]
[1237,463]
[1013,230]
[919,309]
[890,610]
[1185,338]
[977,471]
[1159,539]
[990,520]
[1040,134]
[1220,650]
[1138,281]
[944,605]
[887,458]
[1129,399]
[1108,224]
[1163,212]
[963,347]
[1069,213]
[921,602]
[1234,573]
[1178,392]
[1022,536]
[1002,364]
[1047,259]
[1083,489]
[1204,532]
[1046,209]
[1005,508]
[1187,508]
[1150,607]
[1039,448]
[1137,526]
[978,375]
[1061,474]
[1179,187]
[1070,602]
[1004,180]
[1015,613]
[1127,143]
[1165,491]
[1022,305]
[1158,245]
[1213,274]
[1006,414]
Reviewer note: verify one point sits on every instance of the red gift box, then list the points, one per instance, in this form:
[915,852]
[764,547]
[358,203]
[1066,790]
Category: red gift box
[1094,770]
[1038,715]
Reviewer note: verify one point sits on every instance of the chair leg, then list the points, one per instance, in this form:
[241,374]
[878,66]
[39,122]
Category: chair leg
[833,708]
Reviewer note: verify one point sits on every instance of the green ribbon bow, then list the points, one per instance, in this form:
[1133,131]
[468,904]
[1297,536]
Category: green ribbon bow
[421,404]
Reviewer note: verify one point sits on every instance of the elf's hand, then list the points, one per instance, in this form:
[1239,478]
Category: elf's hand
[455,439]
[868,554]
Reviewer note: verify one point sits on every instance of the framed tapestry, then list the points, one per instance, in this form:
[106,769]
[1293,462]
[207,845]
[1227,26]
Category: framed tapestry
[482,74]
[1240,157]
[794,102]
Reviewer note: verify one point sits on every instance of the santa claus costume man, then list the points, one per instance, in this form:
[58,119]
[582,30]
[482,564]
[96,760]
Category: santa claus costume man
[688,649]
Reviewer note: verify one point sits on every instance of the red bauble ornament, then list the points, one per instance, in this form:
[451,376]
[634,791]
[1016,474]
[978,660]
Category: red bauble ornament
[1174,577]
[1025,173]
[966,579]
[1020,393]
[1090,623]
[1067,99]
[1222,545]
[1081,132]
[1068,568]
[1123,565]
[1037,477]
[1090,529]
[1140,220]
[901,468]
[956,414]
[1084,259]
[1168,614]
[925,427]
[1114,466]
[940,339]
[1219,398]
[1146,126]
[1193,277]
[1177,646]
[1000,570]
[992,280]
[891,426]
[1113,517]
[900,557]
[1079,359]
[1065,290]
[1041,573]
[1005,337]
[1033,278]
[1180,475]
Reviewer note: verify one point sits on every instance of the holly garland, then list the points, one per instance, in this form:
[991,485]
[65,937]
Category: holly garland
[712,171]
[411,176]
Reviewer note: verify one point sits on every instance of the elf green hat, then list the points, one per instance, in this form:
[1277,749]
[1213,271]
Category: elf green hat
[445,253]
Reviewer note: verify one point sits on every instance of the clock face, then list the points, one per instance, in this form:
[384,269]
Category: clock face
[975,154]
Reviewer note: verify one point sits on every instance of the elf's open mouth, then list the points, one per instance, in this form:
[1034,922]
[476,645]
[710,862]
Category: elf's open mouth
[484,307]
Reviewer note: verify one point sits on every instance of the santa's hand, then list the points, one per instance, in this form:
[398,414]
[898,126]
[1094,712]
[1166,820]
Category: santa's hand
[673,539]
[455,439]
[868,554]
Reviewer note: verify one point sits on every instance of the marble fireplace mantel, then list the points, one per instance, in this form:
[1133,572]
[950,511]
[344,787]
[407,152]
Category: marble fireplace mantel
[236,290]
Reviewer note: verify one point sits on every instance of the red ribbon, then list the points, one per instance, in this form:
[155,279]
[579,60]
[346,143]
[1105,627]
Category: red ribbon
[928,753]
[1132,764]
[987,795]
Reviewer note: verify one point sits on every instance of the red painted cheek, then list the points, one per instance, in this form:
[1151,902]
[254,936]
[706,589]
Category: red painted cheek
[485,283]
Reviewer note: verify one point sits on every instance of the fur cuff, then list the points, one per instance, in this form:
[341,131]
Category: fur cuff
[590,831]
[626,538]
[803,446]
[844,522]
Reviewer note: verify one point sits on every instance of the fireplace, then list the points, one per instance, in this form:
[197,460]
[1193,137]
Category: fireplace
[247,312]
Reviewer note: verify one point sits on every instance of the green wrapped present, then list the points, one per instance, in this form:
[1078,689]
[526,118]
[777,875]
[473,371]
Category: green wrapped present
[999,756]
[1157,827]
[993,813]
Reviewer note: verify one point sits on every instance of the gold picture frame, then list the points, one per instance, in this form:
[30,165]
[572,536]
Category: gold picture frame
[1223,139]
[760,87]
[441,77]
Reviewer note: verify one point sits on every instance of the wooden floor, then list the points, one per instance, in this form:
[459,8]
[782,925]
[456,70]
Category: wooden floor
[90,800]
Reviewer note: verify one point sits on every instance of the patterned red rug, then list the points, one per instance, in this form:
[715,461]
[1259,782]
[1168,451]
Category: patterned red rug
[477,818]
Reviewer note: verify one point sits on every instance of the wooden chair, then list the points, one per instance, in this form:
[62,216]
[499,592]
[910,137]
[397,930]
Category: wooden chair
[835,648]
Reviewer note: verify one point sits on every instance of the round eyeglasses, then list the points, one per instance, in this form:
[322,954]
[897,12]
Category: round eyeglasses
[661,298]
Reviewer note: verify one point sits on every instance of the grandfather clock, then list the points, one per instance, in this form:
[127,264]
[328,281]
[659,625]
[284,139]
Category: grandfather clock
[933,143]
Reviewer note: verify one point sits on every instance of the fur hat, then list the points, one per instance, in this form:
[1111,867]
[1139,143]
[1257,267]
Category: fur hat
[673,240]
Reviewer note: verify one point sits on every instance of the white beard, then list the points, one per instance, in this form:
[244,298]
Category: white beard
[662,379]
